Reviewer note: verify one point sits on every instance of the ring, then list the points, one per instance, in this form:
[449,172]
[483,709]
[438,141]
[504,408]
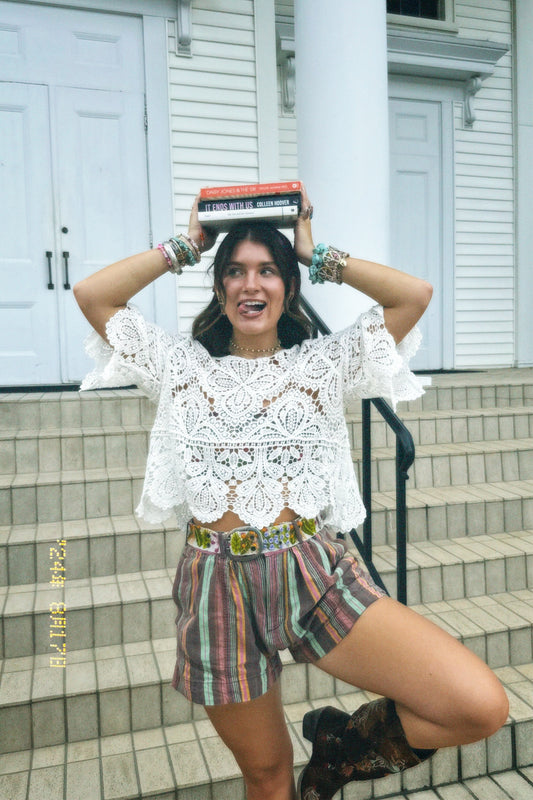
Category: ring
[307,212]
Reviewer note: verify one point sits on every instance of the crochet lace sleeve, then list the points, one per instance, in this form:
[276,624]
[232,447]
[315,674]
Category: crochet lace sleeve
[136,354]
[373,365]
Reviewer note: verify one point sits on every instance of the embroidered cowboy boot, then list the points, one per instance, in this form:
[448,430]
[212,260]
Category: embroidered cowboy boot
[368,744]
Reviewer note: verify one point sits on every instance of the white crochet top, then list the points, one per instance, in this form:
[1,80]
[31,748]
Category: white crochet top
[252,435]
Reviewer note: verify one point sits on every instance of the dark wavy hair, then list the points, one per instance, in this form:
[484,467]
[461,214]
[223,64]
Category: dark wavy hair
[213,329]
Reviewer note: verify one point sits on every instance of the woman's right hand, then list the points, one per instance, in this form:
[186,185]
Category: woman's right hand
[303,235]
[205,238]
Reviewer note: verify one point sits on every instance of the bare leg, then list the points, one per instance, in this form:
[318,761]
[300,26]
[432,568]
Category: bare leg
[444,694]
[257,735]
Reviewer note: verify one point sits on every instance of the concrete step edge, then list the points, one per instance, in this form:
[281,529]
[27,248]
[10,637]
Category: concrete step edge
[445,413]
[188,760]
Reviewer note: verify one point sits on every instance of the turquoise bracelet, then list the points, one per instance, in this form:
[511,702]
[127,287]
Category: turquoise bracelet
[183,248]
[327,264]
[315,268]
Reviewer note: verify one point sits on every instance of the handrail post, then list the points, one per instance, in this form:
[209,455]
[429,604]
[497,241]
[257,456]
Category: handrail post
[367,478]
[401,526]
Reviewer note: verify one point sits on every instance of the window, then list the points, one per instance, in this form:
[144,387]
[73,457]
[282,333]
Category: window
[427,9]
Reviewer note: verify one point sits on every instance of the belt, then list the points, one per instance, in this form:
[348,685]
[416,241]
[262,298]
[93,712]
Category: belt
[249,542]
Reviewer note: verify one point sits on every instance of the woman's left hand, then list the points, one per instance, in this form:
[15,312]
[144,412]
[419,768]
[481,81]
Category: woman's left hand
[303,237]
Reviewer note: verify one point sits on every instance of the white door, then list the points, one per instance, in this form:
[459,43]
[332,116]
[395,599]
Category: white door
[29,339]
[103,198]
[416,210]
[74,152]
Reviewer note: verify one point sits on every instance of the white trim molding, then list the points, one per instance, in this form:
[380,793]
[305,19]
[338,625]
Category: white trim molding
[184,27]
[428,54]
[286,63]
[157,8]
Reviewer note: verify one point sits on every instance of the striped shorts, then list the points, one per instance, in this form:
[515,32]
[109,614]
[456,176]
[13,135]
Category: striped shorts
[235,616]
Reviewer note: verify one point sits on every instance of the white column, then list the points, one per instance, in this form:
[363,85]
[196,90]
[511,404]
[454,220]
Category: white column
[524,166]
[343,138]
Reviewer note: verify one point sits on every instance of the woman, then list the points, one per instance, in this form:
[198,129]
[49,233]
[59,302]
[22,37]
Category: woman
[249,448]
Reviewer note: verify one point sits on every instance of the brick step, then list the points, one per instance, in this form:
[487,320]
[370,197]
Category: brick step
[188,761]
[100,611]
[454,464]
[53,450]
[443,569]
[440,569]
[128,607]
[498,627]
[447,426]
[115,688]
[450,569]
[78,494]
[44,410]
[36,452]
[56,449]
[94,547]
[43,459]
[509,785]
[69,495]
[35,410]
[493,388]
[48,449]
[468,510]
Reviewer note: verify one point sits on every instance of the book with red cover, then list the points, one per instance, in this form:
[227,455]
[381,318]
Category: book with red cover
[250,190]
[222,205]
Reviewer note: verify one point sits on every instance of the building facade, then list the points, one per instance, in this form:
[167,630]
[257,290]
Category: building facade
[413,135]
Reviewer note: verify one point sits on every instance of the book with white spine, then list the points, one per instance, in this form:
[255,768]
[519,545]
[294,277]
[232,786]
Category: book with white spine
[229,213]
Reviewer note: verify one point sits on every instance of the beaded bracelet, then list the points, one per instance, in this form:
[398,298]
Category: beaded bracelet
[327,264]
[170,257]
[180,251]
[193,245]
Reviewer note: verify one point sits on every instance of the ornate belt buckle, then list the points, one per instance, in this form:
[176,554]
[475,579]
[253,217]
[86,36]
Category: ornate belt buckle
[245,542]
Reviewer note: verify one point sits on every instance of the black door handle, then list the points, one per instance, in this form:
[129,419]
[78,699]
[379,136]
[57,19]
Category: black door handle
[49,255]
[66,255]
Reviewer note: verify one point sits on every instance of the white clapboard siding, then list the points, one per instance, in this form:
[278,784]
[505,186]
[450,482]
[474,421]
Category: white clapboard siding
[288,150]
[213,108]
[484,235]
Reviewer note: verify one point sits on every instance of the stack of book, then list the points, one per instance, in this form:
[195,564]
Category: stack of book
[221,207]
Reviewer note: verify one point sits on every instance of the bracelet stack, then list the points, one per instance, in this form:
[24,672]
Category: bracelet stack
[180,251]
[327,264]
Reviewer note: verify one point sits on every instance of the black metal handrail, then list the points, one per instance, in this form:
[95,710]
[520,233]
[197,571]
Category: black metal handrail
[405,455]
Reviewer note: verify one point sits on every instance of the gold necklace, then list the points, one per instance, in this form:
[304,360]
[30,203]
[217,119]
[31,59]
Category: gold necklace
[271,350]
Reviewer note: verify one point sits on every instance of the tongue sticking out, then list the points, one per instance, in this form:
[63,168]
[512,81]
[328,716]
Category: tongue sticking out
[251,307]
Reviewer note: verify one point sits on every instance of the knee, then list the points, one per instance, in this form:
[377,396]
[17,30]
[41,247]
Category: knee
[487,712]
[272,778]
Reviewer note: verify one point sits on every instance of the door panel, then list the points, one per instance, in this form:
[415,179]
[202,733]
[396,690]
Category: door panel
[29,340]
[70,48]
[416,210]
[103,197]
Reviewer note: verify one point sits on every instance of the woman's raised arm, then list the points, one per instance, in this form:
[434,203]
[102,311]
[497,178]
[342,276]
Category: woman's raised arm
[404,298]
[102,294]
